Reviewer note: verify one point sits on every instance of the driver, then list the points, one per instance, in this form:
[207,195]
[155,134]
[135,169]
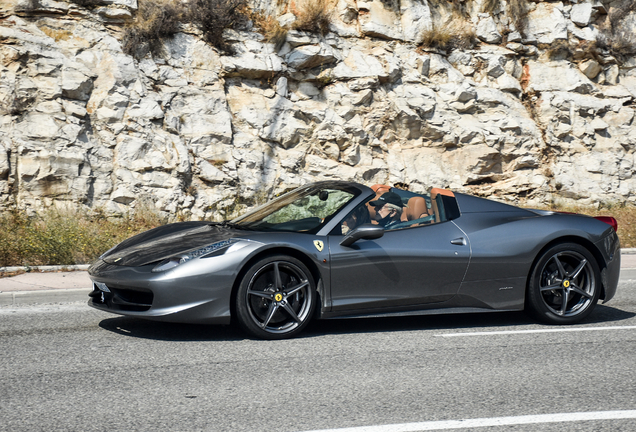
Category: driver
[388,209]
[359,216]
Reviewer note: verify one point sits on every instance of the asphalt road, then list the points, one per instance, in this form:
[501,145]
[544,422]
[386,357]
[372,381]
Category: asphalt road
[69,367]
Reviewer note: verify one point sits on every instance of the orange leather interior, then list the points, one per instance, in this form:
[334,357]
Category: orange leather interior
[379,189]
[434,202]
[416,208]
[439,191]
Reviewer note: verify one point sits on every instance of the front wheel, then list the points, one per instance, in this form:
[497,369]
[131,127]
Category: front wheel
[564,284]
[276,298]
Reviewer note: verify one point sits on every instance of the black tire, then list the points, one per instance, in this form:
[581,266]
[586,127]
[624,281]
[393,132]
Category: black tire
[276,298]
[564,285]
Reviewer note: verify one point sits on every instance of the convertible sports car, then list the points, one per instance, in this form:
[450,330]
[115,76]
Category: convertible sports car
[315,252]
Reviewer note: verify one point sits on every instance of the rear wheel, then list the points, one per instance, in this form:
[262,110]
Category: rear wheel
[564,284]
[276,298]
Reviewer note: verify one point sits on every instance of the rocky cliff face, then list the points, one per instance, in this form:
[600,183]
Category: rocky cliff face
[523,114]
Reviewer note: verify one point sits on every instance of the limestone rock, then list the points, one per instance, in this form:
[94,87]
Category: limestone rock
[487,30]
[114,14]
[131,4]
[4,161]
[598,124]
[415,19]
[590,68]
[556,76]
[379,19]
[309,56]
[251,65]
[547,23]
[358,65]
[75,84]
[581,14]
[195,131]
[509,84]
[612,74]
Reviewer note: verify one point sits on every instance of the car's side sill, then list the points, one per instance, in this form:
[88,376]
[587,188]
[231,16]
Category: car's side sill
[440,311]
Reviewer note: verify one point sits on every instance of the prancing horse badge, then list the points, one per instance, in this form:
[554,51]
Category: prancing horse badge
[319,245]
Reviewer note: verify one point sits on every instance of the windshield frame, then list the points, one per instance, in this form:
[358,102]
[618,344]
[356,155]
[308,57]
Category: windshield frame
[254,218]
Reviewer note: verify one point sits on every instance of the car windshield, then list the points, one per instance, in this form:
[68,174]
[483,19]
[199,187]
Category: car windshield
[304,209]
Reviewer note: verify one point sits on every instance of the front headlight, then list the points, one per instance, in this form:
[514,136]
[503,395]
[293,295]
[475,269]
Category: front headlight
[215,249]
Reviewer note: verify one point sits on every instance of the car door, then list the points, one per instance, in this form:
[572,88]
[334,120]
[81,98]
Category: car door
[405,267]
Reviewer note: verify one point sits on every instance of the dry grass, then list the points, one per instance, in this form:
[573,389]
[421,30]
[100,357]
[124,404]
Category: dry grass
[66,237]
[490,6]
[619,11]
[618,42]
[72,237]
[89,4]
[457,7]
[585,50]
[214,16]
[614,35]
[271,29]
[625,215]
[559,49]
[312,15]
[157,20]
[154,21]
[454,34]
[579,51]
[518,12]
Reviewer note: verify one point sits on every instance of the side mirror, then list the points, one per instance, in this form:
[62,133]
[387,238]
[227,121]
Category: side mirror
[366,231]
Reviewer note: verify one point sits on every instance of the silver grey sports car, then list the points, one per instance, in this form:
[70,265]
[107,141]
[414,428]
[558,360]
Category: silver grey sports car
[331,249]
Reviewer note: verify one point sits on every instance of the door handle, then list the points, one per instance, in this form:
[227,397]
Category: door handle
[461,241]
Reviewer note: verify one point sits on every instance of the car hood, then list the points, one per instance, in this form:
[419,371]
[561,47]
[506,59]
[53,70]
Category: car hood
[167,241]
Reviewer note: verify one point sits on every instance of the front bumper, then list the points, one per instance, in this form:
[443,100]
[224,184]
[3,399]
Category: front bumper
[185,294]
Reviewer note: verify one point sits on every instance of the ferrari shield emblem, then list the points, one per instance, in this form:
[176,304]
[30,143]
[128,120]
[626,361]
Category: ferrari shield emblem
[319,245]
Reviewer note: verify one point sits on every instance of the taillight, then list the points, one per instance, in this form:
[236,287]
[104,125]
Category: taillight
[608,220]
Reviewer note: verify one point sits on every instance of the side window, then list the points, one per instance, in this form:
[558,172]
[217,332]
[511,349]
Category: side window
[357,217]
[417,210]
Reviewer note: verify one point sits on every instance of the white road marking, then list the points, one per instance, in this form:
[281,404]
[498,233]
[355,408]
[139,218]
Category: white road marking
[490,422]
[554,330]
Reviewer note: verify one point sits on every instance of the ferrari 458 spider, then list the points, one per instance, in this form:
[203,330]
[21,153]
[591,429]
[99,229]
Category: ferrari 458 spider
[319,252]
